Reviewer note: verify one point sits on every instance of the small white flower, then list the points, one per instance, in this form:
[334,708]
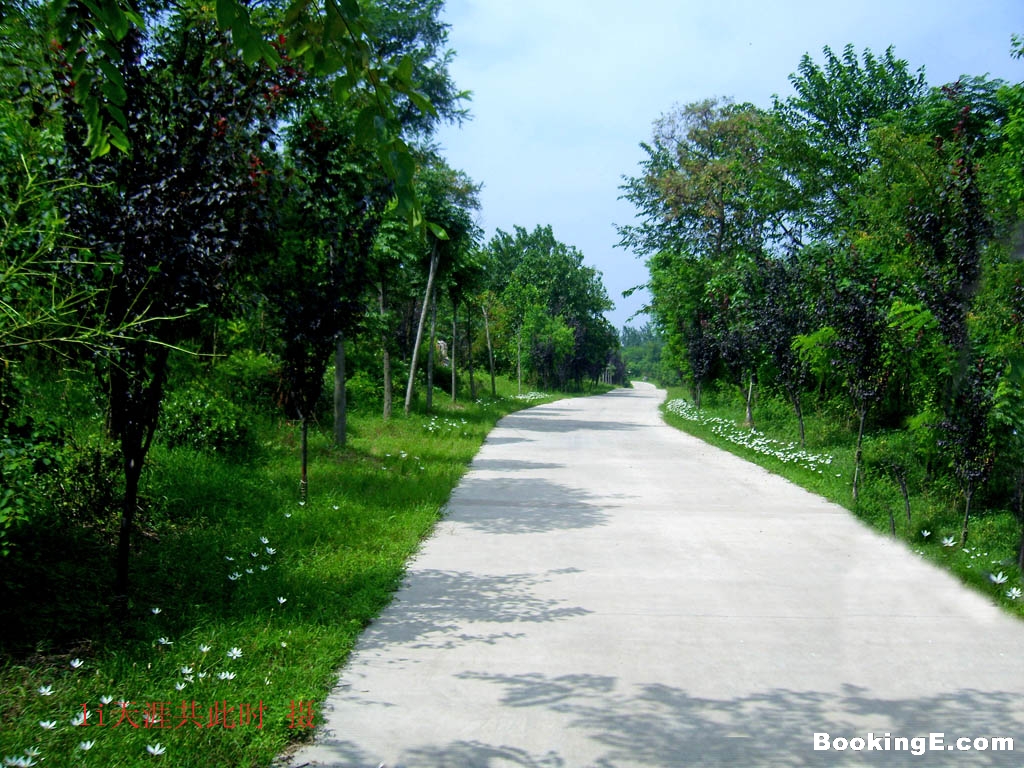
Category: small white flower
[204,648]
[104,700]
[76,663]
[997,578]
[926,534]
[33,752]
[264,540]
[180,686]
[948,542]
[235,653]
[264,567]
[235,576]
[302,503]
[46,690]
[155,749]
[202,675]
[229,559]
[164,641]
[284,644]
[282,600]
[156,610]
[271,551]
[85,746]
[335,507]
[80,718]
[1013,593]
[287,514]
[186,670]
[48,725]
[254,554]
[249,571]
[226,675]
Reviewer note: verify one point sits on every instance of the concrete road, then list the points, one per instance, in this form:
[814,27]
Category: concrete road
[607,591]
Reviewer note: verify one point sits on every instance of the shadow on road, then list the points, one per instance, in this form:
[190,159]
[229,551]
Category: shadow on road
[659,725]
[511,504]
[437,609]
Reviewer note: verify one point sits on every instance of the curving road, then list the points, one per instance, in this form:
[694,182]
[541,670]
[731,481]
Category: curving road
[608,591]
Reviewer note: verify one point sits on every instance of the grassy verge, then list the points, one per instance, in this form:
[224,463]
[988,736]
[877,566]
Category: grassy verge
[246,601]
[987,562]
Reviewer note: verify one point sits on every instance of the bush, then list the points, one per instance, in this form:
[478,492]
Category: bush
[85,486]
[363,392]
[205,421]
[250,378]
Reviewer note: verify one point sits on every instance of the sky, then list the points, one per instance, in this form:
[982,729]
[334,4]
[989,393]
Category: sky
[564,91]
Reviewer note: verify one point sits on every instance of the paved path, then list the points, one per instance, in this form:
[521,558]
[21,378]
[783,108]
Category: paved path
[607,591]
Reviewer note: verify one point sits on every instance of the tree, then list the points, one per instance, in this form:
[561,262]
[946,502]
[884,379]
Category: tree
[173,211]
[329,40]
[824,145]
[449,196]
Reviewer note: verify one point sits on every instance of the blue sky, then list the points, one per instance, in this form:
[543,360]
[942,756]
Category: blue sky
[564,91]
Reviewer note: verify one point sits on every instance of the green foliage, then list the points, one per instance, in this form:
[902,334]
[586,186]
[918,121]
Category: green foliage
[248,378]
[365,393]
[204,420]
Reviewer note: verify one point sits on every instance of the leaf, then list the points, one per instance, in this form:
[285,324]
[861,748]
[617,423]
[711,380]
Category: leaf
[118,138]
[227,11]
[422,103]
[350,10]
[115,112]
[437,230]
[405,167]
[114,92]
[82,87]
[404,70]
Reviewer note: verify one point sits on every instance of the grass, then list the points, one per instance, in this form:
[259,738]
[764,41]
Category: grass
[245,602]
[988,560]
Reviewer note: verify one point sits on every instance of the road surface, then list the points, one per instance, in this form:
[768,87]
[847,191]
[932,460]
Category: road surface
[607,591]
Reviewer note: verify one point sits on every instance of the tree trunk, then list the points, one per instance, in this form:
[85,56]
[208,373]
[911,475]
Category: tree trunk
[901,479]
[1018,509]
[968,494]
[431,347]
[451,351]
[386,355]
[490,352]
[749,420]
[857,454]
[132,473]
[303,479]
[519,362]
[419,329]
[798,408]
[136,437]
[469,350]
[696,394]
[340,398]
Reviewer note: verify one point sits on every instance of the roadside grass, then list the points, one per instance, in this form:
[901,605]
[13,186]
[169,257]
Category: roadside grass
[246,602]
[988,560]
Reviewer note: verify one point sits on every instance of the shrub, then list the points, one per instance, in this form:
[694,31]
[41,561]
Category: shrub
[205,421]
[363,392]
[250,378]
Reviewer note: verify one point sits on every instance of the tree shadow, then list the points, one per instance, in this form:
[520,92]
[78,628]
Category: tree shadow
[433,609]
[659,725]
[520,505]
[535,423]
